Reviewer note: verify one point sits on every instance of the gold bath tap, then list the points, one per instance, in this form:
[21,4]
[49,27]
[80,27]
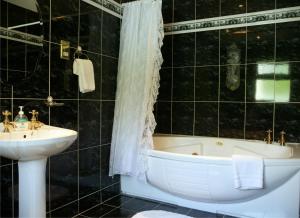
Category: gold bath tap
[6,123]
[281,140]
[34,123]
[268,139]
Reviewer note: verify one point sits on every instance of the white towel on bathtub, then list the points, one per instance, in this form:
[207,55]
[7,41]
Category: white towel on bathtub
[248,172]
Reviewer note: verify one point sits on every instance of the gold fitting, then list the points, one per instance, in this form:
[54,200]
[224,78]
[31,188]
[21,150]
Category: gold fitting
[34,115]
[268,138]
[6,123]
[281,140]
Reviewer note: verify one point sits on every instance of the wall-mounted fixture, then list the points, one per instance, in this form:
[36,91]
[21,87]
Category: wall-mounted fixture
[51,103]
[64,50]
[233,67]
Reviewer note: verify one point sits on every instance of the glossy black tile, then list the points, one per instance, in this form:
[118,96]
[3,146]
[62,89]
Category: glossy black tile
[206,119]
[67,211]
[286,4]
[260,82]
[182,118]
[110,192]
[90,27]
[107,119]
[207,48]
[167,11]
[6,187]
[95,95]
[287,117]
[63,83]
[207,83]
[207,8]
[163,117]
[98,211]
[64,21]
[15,192]
[119,212]
[29,84]
[109,78]
[231,121]
[89,123]
[44,9]
[167,51]
[183,84]
[89,171]
[4,161]
[232,83]
[4,13]
[6,89]
[3,59]
[260,5]
[230,7]
[233,45]
[259,118]
[110,35]
[106,180]
[63,180]
[118,200]
[16,50]
[138,205]
[173,209]
[261,43]
[165,84]
[184,10]
[201,214]
[184,50]
[89,201]
[288,41]
[66,117]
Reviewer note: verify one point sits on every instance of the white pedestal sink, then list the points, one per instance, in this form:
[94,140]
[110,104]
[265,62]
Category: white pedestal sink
[31,148]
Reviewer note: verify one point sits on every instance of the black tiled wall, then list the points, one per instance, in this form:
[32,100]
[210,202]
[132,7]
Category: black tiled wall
[194,98]
[77,179]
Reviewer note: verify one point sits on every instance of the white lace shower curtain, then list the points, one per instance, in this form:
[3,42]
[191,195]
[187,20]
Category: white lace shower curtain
[140,60]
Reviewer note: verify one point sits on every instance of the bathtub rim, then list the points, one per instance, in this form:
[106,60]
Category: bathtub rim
[216,160]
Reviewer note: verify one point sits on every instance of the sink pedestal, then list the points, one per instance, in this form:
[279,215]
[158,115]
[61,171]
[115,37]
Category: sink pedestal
[32,188]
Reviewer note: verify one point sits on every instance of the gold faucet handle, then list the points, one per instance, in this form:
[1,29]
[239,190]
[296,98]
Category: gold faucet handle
[282,133]
[268,138]
[281,140]
[269,132]
[34,114]
[6,114]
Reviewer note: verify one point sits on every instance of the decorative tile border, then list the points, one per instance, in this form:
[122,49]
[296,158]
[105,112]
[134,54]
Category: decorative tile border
[239,20]
[21,36]
[108,6]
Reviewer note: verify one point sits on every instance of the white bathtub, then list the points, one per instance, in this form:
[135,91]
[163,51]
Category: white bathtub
[205,180]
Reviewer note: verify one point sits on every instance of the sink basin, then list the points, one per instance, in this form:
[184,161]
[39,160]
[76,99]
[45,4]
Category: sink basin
[35,144]
[31,148]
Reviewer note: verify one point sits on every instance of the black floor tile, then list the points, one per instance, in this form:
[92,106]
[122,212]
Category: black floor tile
[138,205]
[126,206]
[201,214]
[120,212]
[118,200]
[173,208]
[98,211]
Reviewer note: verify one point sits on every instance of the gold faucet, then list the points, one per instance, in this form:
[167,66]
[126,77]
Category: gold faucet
[6,123]
[281,140]
[268,139]
[34,123]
